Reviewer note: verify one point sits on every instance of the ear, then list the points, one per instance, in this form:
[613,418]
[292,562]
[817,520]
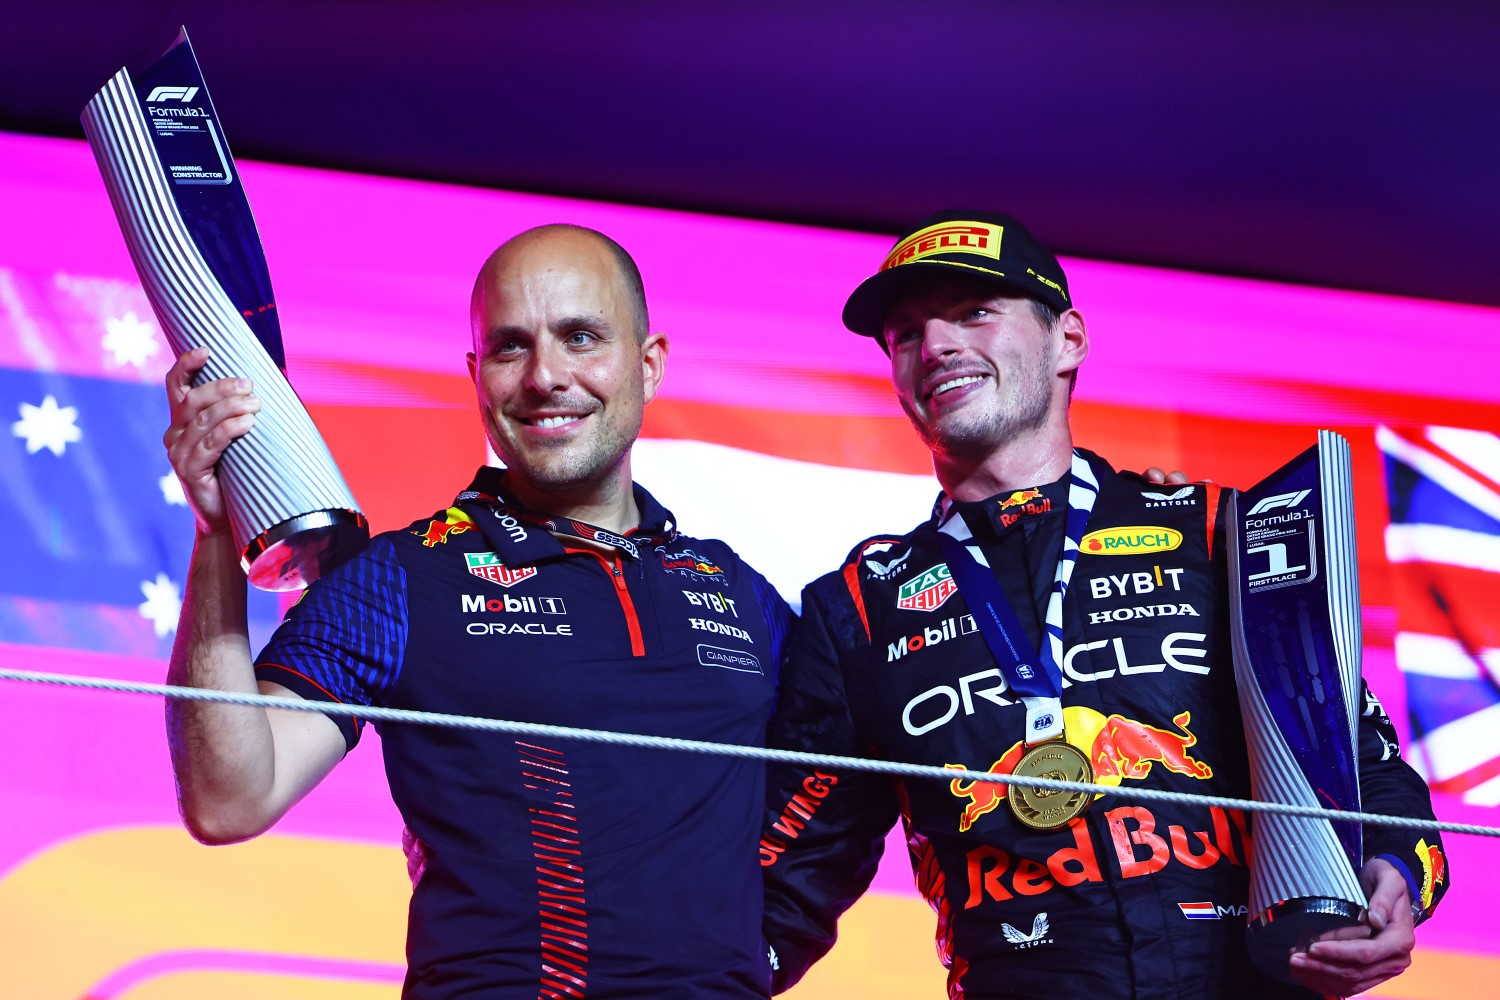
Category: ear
[1075,341]
[473,367]
[653,364]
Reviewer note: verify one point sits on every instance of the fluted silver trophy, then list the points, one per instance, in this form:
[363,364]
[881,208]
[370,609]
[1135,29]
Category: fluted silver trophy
[179,201]
[1294,594]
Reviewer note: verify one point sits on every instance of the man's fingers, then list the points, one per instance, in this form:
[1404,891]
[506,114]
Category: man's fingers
[1356,932]
[202,430]
[180,376]
[1174,478]
[214,402]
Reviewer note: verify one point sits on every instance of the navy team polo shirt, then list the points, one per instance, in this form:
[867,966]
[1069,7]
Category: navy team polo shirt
[558,868]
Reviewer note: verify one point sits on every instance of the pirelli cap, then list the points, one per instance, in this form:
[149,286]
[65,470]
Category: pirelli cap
[988,245]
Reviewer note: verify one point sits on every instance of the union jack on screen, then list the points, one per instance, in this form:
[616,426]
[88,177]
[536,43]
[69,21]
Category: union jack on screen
[1443,544]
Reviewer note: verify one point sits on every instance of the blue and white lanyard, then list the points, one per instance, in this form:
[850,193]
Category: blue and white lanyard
[1036,679]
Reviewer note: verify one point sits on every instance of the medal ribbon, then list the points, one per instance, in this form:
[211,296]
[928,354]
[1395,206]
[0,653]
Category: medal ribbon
[1037,679]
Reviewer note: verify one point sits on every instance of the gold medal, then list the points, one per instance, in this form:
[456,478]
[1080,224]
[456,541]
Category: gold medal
[1050,808]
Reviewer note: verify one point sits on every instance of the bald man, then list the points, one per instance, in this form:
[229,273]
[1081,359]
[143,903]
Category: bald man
[556,591]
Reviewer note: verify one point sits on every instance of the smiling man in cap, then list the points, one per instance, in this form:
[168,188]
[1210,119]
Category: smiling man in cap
[1053,617]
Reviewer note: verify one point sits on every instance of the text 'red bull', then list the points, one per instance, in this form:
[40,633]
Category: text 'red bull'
[994,875]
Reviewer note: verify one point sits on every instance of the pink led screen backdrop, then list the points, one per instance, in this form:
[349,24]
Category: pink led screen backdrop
[771,415]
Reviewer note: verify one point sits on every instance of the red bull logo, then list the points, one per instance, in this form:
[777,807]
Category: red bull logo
[1126,748]
[1434,870]
[1022,503]
[984,796]
[1020,497]
[454,522]
[689,563]
[1135,845]
[1118,748]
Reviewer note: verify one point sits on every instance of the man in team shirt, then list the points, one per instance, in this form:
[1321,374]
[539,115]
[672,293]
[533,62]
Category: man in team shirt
[556,591]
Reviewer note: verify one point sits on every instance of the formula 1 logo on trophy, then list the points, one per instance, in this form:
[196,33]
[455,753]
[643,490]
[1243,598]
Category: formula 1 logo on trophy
[1294,597]
[194,244]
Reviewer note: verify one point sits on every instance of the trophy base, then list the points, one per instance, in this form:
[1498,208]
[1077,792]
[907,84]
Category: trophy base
[296,552]
[1292,925]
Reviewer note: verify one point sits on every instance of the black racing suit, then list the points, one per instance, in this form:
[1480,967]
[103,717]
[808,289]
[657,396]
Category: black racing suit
[1133,899]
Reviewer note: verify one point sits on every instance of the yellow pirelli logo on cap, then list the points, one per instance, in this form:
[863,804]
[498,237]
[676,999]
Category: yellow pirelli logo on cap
[947,237]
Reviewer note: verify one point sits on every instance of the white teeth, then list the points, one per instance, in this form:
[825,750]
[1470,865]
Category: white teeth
[555,421]
[955,383]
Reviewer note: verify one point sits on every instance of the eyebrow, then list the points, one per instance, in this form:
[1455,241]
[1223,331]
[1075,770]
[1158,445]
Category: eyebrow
[591,321]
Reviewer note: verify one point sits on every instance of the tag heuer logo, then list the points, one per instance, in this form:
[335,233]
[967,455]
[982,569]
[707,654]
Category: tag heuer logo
[928,590]
[486,566]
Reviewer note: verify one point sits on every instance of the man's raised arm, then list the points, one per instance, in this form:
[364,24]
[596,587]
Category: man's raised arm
[238,768]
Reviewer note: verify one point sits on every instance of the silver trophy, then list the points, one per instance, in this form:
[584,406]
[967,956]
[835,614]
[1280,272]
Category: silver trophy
[1294,595]
[183,212]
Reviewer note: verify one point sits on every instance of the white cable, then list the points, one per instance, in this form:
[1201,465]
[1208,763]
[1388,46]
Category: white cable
[381,714]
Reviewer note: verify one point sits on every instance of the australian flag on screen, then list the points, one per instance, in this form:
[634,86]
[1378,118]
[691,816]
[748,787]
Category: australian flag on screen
[98,533]
[1443,543]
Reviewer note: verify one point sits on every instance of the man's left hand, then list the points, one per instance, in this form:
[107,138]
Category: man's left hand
[1345,962]
[1176,477]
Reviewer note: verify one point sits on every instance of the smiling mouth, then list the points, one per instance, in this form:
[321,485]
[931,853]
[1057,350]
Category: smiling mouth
[550,422]
[956,383]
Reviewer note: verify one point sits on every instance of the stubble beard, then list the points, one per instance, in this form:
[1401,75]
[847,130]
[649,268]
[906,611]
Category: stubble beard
[976,435]
[569,466]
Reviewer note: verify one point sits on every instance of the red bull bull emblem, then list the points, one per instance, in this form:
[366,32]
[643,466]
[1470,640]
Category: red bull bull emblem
[1125,748]
[454,522]
[1020,497]
[1114,748]
[691,564]
[927,590]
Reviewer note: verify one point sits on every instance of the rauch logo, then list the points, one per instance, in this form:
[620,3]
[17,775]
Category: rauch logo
[1130,541]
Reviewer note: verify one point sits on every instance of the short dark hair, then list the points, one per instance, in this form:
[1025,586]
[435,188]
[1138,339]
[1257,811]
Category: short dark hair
[1045,314]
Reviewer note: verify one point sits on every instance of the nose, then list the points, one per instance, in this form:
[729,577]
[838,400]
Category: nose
[939,339]
[548,370]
